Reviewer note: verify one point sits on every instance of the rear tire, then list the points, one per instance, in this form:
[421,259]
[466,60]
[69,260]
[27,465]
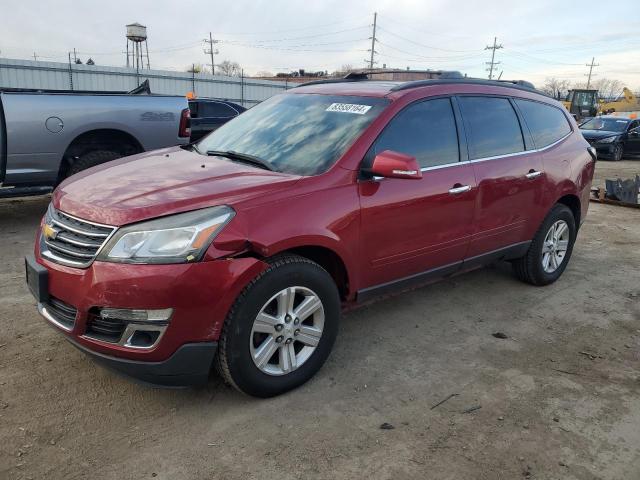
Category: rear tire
[547,256]
[263,319]
[92,159]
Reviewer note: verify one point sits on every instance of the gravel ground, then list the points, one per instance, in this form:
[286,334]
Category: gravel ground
[558,398]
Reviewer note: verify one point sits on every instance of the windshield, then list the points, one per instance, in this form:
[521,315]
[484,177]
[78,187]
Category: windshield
[302,134]
[605,124]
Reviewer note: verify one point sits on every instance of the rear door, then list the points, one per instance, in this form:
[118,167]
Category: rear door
[509,173]
[411,227]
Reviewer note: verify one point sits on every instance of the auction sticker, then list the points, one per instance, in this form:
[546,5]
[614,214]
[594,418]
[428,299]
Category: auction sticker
[349,108]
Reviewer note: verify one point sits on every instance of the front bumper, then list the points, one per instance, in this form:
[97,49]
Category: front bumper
[200,295]
[605,150]
[188,366]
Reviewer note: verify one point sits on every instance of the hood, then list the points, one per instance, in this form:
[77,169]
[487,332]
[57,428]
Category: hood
[154,184]
[598,134]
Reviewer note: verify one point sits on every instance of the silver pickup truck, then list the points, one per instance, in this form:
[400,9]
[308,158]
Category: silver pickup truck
[46,137]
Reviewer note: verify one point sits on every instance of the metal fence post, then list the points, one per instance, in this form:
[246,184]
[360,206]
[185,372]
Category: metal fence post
[70,73]
[242,87]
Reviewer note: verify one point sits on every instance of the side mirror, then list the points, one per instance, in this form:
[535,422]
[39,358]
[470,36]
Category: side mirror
[390,164]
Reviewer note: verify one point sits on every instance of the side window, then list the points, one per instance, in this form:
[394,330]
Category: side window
[546,123]
[215,109]
[425,130]
[635,124]
[492,127]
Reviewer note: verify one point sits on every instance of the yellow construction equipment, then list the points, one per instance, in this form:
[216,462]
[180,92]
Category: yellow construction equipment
[627,103]
[582,103]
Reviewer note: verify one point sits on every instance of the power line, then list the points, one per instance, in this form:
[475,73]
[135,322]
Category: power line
[591,65]
[423,45]
[493,63]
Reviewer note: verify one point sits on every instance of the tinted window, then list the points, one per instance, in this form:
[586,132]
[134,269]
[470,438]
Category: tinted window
[493,127]
[546,123]
[425,130]
[214,109]
[297,133]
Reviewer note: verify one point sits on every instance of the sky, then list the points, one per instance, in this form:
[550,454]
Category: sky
[546,38]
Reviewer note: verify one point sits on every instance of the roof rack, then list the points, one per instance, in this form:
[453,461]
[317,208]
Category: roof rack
[364,75]
[517,84]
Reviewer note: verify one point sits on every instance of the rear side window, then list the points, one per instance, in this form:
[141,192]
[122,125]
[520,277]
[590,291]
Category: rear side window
[425,130]
[493,127]
[214,109]
[546,123]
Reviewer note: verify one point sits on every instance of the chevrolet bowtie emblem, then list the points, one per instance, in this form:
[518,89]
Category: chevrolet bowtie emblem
[49,232]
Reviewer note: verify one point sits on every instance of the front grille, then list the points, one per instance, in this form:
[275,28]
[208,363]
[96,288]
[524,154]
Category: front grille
[71,241]
[62,312]
[105,329]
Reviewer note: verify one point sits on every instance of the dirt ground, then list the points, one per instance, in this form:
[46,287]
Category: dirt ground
[558,399]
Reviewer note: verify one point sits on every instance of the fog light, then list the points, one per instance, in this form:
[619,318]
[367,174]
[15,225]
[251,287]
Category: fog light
[137,315]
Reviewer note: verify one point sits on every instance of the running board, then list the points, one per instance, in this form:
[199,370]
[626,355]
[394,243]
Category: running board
[12,192]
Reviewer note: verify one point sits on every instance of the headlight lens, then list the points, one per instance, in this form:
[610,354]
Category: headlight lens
[177,238]
[607,140]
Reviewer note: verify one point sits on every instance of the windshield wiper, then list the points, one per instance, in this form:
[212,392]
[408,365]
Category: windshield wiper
[242,157]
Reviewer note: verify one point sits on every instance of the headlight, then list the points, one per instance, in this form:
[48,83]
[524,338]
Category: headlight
[177,238]
[607,140]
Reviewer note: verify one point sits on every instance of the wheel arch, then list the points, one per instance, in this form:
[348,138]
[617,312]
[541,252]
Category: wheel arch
[573,202]
[98,139]
[328,259]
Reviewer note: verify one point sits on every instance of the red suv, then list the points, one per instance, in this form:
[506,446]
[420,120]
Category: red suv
[241,250]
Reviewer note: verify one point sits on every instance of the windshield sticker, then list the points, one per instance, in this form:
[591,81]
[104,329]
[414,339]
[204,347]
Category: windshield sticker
[621,121]
[349,108]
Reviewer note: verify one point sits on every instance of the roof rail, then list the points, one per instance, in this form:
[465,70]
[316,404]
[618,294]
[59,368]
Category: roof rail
[360,76]
[517,84]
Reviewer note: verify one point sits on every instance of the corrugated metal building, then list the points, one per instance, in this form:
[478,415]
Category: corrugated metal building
[63,76]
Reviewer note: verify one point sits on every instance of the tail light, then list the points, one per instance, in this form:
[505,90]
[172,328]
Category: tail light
[185,124]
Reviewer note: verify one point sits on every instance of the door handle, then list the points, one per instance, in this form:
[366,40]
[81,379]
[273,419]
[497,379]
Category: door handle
[533,174]
[459,190]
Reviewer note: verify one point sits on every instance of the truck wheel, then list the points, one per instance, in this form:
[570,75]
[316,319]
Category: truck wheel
[280,329]
[618,152]
[92,159]
[550,250]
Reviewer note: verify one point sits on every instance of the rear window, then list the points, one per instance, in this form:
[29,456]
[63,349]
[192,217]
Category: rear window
[546,123]
[493,127]
[215,109]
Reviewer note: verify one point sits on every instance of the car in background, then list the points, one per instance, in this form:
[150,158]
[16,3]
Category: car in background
[209,114]
[47,136]
[613,136]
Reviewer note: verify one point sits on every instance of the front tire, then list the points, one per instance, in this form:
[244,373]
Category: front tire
[618,152]
[550,250]
[280,329]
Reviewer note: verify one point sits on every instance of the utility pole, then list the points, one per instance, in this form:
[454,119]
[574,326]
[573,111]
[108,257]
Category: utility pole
[35,57]
[75,58]
[591,65]
[211,51]
[493,63]
[373,41]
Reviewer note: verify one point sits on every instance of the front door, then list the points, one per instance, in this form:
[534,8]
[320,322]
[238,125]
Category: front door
[410,227]
[632,145]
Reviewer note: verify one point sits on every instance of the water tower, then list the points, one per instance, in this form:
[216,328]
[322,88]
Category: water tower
[136,40]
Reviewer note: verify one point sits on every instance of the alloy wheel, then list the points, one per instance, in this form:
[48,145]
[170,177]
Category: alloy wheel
[287,330]
[555,246]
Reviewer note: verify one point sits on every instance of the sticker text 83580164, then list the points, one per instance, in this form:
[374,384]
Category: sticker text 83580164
[348,108]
